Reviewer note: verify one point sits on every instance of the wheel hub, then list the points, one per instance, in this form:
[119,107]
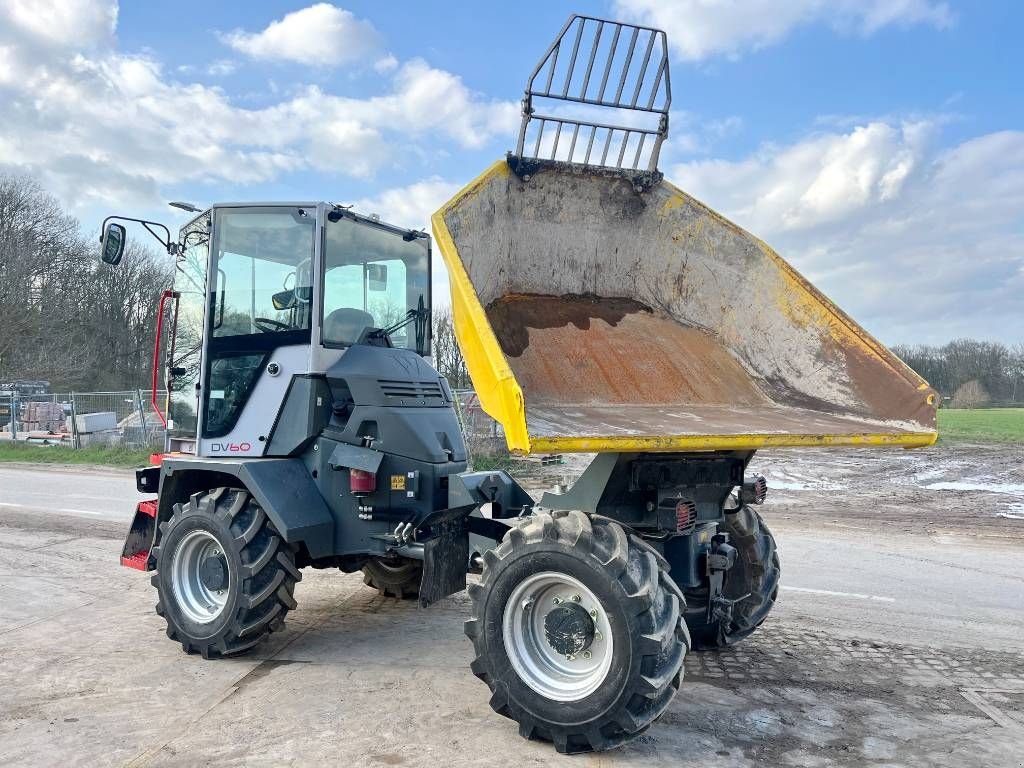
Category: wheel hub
[213,572]
[557,636]
[569,629]
[200,576]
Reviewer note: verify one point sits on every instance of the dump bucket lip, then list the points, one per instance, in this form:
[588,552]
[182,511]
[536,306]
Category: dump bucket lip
[502,398]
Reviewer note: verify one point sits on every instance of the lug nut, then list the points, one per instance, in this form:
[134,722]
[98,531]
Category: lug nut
[527,603]
[598,636]
[557,601]
[587,654]
[593,614]
[576,598]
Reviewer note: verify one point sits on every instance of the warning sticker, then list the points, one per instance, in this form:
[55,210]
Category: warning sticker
[398,482]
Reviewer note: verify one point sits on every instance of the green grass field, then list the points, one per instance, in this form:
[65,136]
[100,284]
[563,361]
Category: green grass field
[55,454]
[983,425]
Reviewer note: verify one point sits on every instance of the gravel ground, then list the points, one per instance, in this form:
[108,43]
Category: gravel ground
[898,640]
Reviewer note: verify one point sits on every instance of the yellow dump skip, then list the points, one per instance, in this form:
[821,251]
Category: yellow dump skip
[597,318]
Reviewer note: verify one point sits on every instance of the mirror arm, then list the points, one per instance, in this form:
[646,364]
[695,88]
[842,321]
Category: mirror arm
[165,241]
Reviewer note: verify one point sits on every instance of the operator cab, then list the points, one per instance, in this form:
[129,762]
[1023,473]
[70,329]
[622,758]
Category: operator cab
[266,292]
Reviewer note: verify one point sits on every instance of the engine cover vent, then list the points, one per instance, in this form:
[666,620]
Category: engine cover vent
[411,390]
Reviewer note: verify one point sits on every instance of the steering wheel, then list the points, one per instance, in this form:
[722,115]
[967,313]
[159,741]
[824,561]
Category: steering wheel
[268,325]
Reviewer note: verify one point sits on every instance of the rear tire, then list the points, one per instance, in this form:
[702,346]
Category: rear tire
[547,682]
[225,578]
[394,577]
[755,574]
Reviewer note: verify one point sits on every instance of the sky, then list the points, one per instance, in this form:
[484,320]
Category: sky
[877,145]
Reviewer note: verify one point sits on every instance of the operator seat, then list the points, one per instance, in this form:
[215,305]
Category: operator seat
[346,324]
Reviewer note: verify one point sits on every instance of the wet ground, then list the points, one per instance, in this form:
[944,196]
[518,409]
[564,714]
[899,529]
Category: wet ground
[967,490]
[898,640]
[975,491]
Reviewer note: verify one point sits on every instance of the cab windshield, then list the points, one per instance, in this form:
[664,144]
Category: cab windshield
[373,277]
[262,271]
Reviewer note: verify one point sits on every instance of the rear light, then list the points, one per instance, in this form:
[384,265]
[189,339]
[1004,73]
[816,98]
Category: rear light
[686,515]
[754,491]
[361,482]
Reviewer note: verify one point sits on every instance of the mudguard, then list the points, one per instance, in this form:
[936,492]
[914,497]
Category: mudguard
[283,487]
[445,538]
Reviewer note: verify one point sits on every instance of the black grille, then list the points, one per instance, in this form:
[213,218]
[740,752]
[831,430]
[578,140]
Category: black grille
[408,390]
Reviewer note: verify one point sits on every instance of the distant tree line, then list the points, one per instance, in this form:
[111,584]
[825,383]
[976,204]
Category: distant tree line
[970,373]
[81,325]
[65,317]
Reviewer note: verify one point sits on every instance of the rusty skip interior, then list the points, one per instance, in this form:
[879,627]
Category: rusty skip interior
[647,314]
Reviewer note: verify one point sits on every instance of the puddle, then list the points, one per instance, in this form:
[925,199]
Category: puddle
[787,485]
[1016,512]
[785,481]
[1014,488]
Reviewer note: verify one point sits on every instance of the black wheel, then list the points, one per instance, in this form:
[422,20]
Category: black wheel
[755,574]
[577,631]
[225,578]
[394,576]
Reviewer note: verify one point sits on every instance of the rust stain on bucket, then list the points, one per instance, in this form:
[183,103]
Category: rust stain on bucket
[586,349]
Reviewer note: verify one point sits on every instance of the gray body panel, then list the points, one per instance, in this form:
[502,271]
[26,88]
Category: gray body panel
[304,414]
[257,417]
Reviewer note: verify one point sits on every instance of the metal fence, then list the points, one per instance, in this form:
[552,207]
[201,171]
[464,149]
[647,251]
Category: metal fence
[80,419]
[475,423]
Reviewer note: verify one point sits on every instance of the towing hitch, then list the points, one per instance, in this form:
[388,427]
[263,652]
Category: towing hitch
[721,558]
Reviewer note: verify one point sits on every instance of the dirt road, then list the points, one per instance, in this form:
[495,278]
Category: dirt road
[898,640]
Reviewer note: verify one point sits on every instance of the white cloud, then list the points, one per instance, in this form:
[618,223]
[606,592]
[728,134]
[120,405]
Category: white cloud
[386,63]
[75,24]
[99,126]
[919,245]
[220,68]
[412,206]
[698,29]
[820,180]
[320,35]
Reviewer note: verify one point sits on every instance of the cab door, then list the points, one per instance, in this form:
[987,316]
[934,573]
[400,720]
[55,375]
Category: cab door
[185,322]
[258,321]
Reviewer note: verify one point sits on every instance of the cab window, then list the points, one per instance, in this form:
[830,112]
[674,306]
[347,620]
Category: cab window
[372,278]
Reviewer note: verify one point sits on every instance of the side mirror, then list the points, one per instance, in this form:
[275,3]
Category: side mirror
[283,300]
[112,243]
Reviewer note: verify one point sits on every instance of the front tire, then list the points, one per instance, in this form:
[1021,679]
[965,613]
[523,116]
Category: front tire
[225,578]
[577,630]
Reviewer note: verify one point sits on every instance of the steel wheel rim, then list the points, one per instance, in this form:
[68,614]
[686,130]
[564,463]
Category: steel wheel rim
[541,667]
[198,602]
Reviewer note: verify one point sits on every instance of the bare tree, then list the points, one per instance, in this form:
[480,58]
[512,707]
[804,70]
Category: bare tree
[64,317]
[970,394]
[446,351]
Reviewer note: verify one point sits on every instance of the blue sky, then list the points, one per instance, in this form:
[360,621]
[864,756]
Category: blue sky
[877,144]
